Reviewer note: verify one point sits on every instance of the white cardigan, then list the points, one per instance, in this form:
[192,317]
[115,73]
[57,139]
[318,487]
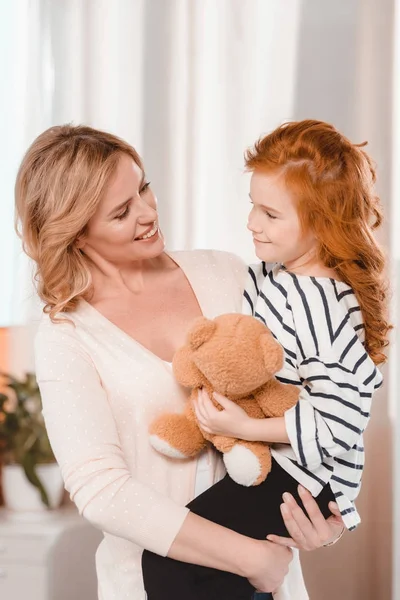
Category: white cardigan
[100,390]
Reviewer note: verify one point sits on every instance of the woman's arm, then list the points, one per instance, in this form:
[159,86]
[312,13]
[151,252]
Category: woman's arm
[85,441]
[204,543]
[84,437]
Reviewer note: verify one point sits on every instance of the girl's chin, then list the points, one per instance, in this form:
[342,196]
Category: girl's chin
[265,256]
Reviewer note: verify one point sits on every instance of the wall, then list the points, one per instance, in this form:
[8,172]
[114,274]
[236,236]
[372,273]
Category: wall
[344,77]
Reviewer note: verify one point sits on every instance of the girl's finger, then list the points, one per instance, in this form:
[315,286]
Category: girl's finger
[224,402]
[211,408]
[205,402]
[205,428]
[200,410]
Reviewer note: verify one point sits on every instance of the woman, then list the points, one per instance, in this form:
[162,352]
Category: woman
[117,307]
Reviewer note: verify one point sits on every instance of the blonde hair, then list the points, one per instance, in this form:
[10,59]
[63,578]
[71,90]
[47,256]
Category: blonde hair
[333,180]
[60,183]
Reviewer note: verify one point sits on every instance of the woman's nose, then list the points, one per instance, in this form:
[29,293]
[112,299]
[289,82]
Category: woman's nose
[148,214]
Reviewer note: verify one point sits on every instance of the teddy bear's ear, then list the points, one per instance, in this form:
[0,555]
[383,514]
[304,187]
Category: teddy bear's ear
[202,330]
[272,352]
[185,370]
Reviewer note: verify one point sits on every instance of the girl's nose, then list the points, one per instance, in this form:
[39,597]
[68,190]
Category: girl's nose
[252,224]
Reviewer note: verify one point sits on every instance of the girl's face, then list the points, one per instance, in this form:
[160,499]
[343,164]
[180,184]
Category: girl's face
[125,225]
[274,222]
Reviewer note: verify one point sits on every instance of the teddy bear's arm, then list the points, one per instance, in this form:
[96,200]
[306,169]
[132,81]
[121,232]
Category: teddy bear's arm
[275,398]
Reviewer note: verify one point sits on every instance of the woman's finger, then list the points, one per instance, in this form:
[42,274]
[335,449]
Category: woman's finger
[282,541]
[300,527]
[292,526]
[333,507]
[316,517]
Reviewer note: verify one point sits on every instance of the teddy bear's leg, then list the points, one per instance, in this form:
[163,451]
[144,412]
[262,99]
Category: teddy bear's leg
[248,463]
[176,436]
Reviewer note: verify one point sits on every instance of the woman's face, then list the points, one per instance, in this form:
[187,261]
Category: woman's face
[125,225]
[274,221]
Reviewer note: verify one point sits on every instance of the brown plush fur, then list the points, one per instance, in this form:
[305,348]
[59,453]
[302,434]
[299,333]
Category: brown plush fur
[237,356]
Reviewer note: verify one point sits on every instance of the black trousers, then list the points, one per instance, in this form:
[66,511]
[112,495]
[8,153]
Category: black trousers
[252,511]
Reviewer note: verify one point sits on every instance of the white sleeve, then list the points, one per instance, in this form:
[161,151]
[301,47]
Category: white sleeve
[85,441]
[332,412]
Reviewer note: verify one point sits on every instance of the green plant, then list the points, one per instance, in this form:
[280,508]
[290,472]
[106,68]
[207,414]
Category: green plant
[23,437]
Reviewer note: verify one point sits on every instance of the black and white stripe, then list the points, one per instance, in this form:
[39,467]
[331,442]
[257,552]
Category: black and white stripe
[318,322]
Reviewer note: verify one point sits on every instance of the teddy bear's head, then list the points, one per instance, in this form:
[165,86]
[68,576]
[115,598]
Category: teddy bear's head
[235,354]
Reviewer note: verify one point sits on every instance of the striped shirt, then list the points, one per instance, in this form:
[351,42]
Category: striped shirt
[318,322]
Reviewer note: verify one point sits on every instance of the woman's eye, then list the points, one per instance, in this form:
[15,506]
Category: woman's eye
[269,215]
[144,187]
[124,214]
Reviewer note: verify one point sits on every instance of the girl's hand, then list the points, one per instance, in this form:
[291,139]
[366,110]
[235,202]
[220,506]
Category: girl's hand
[312,533]
[231,421]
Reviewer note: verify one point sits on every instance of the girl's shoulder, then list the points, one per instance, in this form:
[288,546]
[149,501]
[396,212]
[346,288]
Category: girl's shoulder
[322,298]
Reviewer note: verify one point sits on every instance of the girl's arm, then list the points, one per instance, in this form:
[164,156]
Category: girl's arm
[233,421]
[330,416]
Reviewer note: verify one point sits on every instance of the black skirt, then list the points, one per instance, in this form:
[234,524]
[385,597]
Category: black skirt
[252,511]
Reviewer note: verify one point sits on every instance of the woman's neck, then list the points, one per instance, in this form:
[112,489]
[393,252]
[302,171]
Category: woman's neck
[130,278]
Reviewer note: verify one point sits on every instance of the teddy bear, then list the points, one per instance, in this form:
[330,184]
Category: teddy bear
[236,356]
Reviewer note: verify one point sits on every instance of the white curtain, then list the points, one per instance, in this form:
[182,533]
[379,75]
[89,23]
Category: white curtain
[190,83]
[25,96]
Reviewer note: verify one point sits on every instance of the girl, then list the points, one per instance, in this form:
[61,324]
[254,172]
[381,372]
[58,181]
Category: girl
[320,290]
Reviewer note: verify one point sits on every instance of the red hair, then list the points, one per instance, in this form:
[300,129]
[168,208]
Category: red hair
[332,181]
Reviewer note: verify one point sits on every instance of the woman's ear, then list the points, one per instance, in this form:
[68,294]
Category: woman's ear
[80,242]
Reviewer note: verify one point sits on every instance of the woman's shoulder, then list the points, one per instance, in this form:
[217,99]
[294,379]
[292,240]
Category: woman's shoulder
[218,278]
[61,331]
[224,265]
[216,258]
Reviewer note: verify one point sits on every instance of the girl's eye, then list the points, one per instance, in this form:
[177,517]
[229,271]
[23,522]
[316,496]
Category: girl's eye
[269,215]
[124,214]
[144,187]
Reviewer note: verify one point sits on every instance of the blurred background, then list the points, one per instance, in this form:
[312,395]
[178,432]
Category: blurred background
[190,84]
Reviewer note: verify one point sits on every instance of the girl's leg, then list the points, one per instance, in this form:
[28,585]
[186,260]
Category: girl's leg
[252,511]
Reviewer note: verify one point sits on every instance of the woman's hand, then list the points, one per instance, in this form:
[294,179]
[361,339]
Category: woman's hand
[231,421]
[312,533]
[270,568]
